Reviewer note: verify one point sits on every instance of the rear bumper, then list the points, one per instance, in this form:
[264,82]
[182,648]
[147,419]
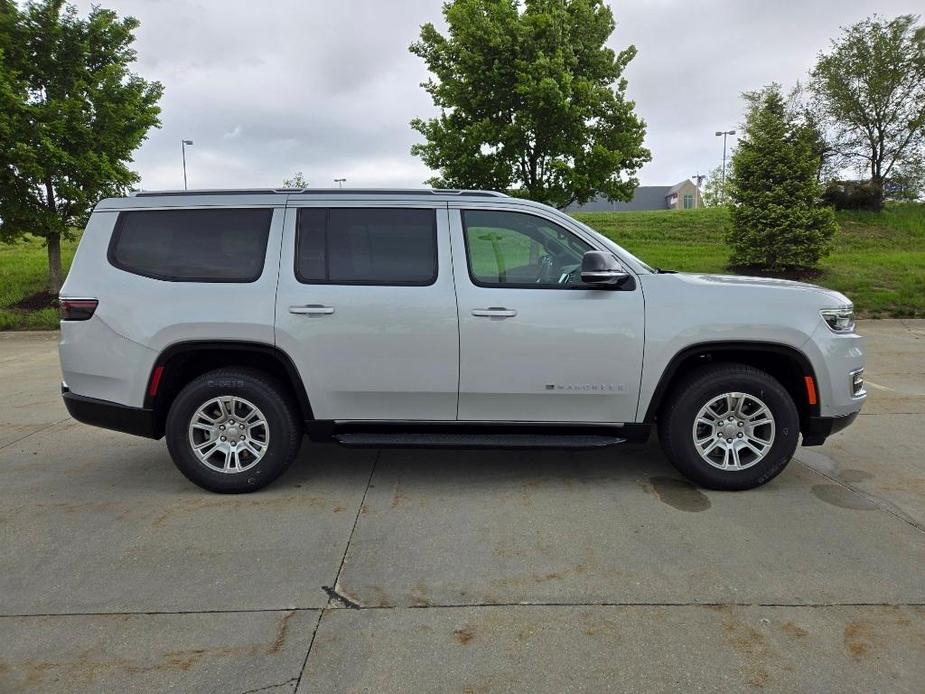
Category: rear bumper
[820,428]
[111,415]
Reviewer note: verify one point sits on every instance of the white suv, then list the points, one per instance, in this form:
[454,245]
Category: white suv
[235,321]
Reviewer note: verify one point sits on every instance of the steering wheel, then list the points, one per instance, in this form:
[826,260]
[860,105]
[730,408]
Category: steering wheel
[546,269]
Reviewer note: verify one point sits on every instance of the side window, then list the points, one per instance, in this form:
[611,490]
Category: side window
[688,201]
[386,246]
[199,245]
[514,249]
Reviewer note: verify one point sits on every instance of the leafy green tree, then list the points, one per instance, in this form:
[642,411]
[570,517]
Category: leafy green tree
[778,222]
[870,89]
[715,190]
[71,114]
[531,101]
[297,181]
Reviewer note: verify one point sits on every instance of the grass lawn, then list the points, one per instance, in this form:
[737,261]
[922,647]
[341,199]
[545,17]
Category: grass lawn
[24,272]
[879,260]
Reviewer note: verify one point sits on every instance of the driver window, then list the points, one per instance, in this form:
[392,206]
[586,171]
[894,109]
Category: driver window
[514,249]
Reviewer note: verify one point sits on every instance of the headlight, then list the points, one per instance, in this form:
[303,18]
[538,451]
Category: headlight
[839,320]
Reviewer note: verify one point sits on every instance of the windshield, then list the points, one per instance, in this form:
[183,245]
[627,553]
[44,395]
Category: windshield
[619,250]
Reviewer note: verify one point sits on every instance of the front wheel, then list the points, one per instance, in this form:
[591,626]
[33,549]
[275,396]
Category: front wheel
[730,427]
[233,430]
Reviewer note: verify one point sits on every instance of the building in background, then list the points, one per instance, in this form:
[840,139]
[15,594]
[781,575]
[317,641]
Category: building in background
[682,196]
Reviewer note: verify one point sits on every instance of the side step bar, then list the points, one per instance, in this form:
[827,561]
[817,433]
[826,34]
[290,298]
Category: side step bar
[473,440]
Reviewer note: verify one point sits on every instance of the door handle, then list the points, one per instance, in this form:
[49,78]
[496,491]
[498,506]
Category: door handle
[312,310]
[494,312]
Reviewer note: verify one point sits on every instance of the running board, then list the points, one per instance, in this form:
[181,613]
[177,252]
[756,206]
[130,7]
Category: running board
[439,440]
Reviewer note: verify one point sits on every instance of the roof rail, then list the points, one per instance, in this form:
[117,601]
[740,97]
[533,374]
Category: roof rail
[321,191]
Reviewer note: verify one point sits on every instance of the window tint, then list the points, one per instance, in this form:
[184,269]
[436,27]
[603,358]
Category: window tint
[513,249]
[366,246]
[225,245]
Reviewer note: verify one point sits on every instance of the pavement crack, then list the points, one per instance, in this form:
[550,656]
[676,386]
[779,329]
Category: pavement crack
[881,504]
[291,680]
[341,600]
[33,433]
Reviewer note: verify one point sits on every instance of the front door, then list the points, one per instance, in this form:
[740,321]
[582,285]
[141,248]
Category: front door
[367,310]
[536,345]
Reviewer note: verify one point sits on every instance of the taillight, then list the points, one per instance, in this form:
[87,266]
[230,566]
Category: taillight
[76,309]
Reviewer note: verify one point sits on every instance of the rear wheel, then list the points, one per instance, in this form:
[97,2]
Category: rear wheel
[729,426]
[233,431]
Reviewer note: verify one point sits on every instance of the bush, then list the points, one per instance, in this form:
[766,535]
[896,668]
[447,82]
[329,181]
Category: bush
[852,195]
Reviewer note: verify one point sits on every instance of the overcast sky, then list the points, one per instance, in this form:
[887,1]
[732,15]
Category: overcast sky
[328,86]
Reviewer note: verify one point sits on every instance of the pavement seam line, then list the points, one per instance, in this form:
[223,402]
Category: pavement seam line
[33,433]
[333,591]
[465,605]
[271,686]
[159,613]
[879,503]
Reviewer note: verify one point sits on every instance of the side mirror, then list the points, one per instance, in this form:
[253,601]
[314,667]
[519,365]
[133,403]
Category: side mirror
[598,267]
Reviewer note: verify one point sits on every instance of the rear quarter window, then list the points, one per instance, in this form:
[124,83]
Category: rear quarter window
[374,246]
[204,245]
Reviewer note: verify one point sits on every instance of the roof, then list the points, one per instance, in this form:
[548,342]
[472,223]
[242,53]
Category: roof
[280,197]
[644,198]
[319,191]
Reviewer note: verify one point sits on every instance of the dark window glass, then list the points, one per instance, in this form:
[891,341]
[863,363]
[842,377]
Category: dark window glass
[366,246]
[513,249]
[225,245]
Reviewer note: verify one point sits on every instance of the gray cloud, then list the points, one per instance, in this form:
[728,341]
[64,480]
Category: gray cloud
[328,88]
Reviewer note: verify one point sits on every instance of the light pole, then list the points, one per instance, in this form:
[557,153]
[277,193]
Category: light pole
[183,144]
[722,185]
[699,178]
[340,182]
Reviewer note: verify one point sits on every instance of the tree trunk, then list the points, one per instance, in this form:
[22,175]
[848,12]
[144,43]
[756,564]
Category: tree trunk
[877,193]
[54,263]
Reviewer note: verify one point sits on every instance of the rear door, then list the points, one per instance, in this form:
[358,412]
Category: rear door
[536,345]
[366,308]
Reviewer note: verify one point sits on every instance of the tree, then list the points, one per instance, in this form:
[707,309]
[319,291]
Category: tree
[297,181]
[778,222]
[531,101]
[870,90]
[715,191]
[71,114]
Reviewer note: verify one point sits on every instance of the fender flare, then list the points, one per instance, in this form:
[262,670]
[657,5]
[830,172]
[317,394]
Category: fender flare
[702,348]
[192,346]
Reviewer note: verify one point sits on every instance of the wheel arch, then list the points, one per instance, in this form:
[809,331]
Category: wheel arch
[181,362]
[787,364]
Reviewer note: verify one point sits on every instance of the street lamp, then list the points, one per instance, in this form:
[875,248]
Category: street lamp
[340,182]
[183,144]
[722,189]
[699,178]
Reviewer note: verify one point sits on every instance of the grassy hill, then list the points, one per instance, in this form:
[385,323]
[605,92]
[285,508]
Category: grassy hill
[879,261]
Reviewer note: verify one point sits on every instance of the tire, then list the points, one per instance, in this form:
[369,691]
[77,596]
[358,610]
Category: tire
[215,399]
[706,388]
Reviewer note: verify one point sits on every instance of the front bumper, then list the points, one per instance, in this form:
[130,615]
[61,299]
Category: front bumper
[818,429]
[835,357]
[139,421]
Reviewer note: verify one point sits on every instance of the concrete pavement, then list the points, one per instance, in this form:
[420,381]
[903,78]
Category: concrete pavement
[461,571]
